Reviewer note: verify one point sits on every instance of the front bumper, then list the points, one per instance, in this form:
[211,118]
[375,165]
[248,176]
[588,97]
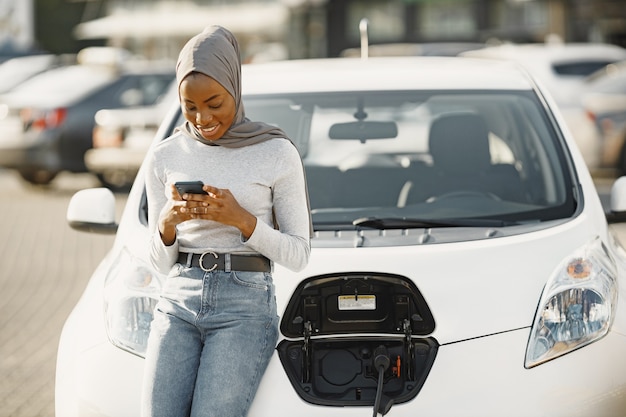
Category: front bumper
[478,377]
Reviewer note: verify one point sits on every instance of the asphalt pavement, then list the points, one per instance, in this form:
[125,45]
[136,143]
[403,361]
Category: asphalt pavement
[44,267]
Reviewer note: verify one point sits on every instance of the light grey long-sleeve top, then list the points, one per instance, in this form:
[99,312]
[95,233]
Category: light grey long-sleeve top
[261,177]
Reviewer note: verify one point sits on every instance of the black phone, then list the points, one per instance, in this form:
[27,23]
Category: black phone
[190,187]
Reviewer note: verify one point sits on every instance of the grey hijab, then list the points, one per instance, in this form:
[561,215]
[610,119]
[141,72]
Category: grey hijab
[215,52]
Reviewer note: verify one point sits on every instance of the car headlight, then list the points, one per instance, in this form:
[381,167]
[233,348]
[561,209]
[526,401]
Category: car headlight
[131,291]
[577,305]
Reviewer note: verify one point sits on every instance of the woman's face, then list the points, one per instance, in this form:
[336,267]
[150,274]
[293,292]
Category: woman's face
[207,105]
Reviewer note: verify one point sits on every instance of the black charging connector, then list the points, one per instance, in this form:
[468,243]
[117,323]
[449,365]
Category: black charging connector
[381,364]
[381,359]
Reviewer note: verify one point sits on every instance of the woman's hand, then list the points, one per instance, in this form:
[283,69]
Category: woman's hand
[218,205]
[170,216]
[221,206]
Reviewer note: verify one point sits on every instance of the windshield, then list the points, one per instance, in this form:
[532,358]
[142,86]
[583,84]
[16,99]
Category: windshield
[424,159]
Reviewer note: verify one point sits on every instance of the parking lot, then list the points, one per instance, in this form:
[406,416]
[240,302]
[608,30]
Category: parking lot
[45,267]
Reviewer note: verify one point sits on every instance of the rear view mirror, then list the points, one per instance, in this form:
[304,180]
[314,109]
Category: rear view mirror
[363,130]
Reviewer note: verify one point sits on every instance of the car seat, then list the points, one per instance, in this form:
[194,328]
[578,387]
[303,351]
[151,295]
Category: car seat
[459,146]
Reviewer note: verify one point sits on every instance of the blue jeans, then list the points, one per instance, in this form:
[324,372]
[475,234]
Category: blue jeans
[212,337]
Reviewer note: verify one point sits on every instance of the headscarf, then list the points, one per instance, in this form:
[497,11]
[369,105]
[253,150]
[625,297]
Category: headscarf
[215,52]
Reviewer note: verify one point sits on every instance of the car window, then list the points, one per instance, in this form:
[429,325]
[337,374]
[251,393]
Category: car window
[580,69]
[153,87]
[134,90]
[426,155]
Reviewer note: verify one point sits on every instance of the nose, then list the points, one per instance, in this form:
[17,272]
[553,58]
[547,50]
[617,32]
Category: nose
[203,117]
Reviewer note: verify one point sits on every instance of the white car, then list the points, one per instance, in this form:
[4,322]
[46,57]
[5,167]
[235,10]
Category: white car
[462,263]
[562,68]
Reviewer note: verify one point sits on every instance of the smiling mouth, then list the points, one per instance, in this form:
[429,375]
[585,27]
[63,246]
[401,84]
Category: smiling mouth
[207,130]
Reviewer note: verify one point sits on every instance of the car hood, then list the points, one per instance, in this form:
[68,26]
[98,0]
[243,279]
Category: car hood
[474,288]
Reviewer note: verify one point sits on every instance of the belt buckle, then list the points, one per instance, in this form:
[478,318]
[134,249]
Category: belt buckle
[200,261]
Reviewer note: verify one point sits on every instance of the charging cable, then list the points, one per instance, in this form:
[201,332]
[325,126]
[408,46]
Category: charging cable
[381,364]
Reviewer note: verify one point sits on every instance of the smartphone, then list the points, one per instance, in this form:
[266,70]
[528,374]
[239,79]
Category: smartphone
[189,187]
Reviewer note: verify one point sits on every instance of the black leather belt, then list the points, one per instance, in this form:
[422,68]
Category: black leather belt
[211,261]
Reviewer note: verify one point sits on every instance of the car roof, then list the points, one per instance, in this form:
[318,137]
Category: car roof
[378,73]
[552,52]
[59,86]
[19,69]
[414,49]
[52,88]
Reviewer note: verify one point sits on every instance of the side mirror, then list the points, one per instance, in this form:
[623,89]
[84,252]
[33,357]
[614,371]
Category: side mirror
[618,202]
[92,210]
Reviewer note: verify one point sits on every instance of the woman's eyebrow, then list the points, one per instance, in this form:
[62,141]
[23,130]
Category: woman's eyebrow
[211,98]
[204,101]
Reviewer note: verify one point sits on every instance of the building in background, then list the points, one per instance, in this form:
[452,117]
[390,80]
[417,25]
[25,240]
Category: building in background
[274,29]
[158,29]
[420,21]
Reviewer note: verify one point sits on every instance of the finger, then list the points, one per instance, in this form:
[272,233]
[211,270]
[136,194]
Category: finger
[178,205]
[213,191]
[195,197]
[199,210]
[175,194]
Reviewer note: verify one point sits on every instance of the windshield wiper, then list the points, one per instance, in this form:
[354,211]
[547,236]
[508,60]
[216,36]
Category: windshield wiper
[403,223]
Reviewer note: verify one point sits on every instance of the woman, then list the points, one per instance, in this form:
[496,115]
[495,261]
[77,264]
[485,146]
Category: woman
[216,326]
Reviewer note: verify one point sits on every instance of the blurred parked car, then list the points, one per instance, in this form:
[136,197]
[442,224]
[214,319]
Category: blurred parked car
[17,70]
[562,68]
[604,99]
[47,122]
[461,261]
[121,138]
